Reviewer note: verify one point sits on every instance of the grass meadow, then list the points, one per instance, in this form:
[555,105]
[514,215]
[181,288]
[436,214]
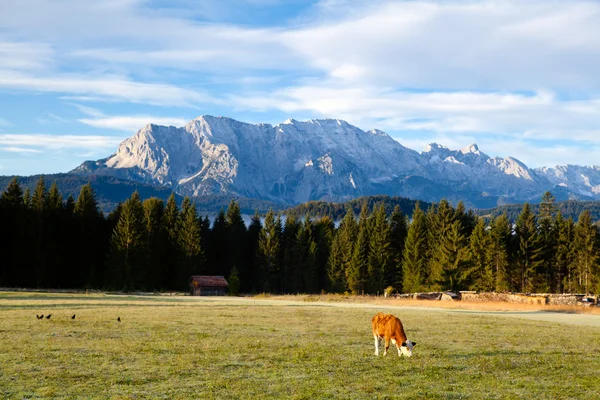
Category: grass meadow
[182,347]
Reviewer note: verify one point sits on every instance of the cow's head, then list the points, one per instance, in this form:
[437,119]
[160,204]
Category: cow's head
[407,348]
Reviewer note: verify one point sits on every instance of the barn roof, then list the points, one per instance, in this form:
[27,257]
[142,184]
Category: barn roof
[209,280]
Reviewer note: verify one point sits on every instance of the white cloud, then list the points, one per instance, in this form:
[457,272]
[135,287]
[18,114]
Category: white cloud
[56,142]
[19,150]
[131,123]
[540,114]
[107,87]
[458,45]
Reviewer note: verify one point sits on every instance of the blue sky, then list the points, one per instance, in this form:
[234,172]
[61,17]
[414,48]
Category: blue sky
[519,78]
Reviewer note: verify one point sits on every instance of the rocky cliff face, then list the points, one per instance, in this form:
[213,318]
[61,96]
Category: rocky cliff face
[325,159]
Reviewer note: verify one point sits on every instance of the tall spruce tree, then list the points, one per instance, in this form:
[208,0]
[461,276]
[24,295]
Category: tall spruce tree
[324,231]
[454,259]
[308,253]
[342,248]
[39,199]
[13,268]
[501,234]
[399,230]
[380,266]
[481,258]
[40,254]
[290,233]
[237,240]
[439,222]
[565,253]
[269,244]
[128,251]
[155,241]
[357,274]
[89,260]
[252,236]
[545,278]
[170,225]
[189,241]
[586,253]
[526,236]
[415,253]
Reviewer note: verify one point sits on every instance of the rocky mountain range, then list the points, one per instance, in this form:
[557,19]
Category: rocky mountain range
[327,159]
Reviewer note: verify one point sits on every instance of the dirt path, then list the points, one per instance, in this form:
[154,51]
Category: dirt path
[547,316]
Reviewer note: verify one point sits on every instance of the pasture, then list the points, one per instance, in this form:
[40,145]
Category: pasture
[182,347]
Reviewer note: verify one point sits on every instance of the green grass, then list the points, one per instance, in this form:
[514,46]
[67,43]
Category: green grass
[189,348]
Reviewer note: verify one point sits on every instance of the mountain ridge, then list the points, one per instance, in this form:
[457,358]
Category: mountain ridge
[327,159]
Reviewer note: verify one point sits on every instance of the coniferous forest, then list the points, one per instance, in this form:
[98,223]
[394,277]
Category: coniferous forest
[48,241]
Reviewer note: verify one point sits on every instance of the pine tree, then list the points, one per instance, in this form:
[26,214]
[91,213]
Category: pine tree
[468,219]
[324,231]
[586,252]
[308,251]
[12,197]
[27,199]
[481,258]
[526,235]
[13,235]
[155,241]
[439,223]
[269,244]
[357,272]
[237,240]
[127,259]
[170,225]
[289,264]
[55,201]
[89,260]
[501,233]
[342,248]
[40,208]
[189,241]
[39,199]
[454,259]
[380,267]
[565,253]
[415,253]
[399,230]
[544,261]
[251,248]
[546,279]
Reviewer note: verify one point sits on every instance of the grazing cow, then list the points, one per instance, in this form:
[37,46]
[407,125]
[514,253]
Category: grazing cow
[389,327]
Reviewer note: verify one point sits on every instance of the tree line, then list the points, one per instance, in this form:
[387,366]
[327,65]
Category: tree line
[151,244]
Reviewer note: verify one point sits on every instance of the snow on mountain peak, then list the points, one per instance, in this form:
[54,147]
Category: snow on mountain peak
[432,147]
[473,148]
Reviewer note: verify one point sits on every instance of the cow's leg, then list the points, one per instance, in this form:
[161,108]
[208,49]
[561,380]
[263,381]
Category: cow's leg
[376,344]
[387,345]
[394,341]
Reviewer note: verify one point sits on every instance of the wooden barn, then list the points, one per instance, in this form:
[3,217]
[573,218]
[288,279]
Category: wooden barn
[204,285]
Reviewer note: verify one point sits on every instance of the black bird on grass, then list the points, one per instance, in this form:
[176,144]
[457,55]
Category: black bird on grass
[119,319]
[73,317]
[39,316]
[48,316]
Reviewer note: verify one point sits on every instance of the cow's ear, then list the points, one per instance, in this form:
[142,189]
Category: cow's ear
[403,344]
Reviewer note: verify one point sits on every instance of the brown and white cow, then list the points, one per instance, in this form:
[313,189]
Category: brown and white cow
[390,328]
